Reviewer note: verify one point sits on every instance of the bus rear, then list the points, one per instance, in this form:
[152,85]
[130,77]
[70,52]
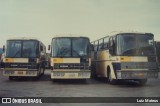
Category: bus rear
[70,58]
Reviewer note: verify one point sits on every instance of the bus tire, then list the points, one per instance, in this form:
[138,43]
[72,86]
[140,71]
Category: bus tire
[109,78]
[142,82]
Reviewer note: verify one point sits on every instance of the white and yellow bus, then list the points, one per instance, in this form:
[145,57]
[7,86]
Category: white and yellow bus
[24,57]
[129,56]
[70,58]
[157,44]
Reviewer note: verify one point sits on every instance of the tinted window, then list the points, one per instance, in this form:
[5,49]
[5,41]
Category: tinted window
[23,49]
[134,44]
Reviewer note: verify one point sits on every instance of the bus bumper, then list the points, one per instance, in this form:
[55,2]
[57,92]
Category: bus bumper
[139,74]
[22,72]
[56,74]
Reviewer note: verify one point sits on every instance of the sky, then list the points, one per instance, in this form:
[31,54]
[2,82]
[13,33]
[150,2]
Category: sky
[43,19]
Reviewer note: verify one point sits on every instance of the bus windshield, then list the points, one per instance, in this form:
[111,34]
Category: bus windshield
[21,49]
[70,47]
[135,44]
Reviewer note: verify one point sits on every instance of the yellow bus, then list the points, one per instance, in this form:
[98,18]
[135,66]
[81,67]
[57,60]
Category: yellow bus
[70,58]
[157,44]
[129,56]
[24,57]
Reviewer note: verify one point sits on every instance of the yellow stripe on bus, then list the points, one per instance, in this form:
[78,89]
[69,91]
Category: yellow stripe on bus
[65,60]
[133,59]
[17,60]
[71,60]
[58,60]
[125,59]
[9,60]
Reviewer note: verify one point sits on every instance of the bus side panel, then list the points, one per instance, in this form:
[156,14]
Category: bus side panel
[101,63]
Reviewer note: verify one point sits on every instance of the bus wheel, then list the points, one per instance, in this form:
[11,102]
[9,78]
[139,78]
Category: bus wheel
[142,82]
[110,80]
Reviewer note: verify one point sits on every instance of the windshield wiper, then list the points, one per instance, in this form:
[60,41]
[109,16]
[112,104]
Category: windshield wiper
[16,54]
[63,52]
[137,51]
[76,52]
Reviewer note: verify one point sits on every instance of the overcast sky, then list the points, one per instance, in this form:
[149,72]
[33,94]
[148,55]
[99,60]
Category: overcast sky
[93,18]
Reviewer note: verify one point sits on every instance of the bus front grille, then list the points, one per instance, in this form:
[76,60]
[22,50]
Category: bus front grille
[82,66]
[21,65]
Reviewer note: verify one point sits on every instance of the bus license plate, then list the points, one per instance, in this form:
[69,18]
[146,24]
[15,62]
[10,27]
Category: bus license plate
[20,72]
[139,74]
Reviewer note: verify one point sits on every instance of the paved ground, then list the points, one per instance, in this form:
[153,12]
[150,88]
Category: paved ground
[45,87]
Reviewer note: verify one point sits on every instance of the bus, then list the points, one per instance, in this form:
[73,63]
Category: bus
[125,56]
[157,44]
[70,58]
[24,57]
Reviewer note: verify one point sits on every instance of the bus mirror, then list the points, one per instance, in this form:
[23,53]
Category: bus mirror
[42,54]
[41,48]
[49,47]
[3,48]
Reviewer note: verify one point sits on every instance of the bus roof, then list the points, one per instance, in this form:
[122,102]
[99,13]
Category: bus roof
[24,38]
[140,33]
[69,36]
[120,33]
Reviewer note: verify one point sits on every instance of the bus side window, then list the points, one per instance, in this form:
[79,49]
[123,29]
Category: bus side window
[100,45]
[112,46]
[91,47]
[95,46]
[106,44]
[95,50]
[44,49]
